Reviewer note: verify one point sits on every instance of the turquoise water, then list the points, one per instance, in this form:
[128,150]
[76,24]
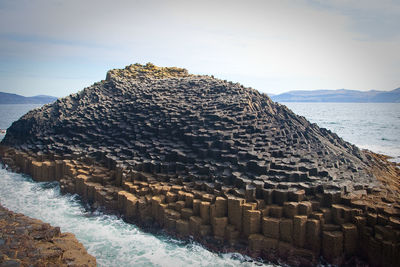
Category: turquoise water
[114,242]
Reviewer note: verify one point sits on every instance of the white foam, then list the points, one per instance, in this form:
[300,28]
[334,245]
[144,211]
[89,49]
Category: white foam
[112,241]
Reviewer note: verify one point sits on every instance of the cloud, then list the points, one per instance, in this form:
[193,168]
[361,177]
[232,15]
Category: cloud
[373,19]
[273,46]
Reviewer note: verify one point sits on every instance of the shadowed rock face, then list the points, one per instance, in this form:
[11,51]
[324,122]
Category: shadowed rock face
[164,120]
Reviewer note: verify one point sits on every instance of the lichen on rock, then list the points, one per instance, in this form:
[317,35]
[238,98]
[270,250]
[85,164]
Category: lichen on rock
[138,71]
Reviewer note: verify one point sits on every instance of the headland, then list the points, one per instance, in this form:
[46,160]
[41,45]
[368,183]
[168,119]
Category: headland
[215,161]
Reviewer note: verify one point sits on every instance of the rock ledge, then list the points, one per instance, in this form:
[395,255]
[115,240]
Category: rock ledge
[29,242]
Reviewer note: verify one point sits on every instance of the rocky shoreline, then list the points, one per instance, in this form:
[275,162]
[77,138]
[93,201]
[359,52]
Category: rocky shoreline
[30,242]
[214,161]
[341,228]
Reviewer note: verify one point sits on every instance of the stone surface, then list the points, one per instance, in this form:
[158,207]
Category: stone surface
[214,160]
[166,120]
[299,230]
[332,245]
[29,242]
[270,227]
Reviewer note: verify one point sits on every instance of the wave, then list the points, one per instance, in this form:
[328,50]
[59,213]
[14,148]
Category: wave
[107,237]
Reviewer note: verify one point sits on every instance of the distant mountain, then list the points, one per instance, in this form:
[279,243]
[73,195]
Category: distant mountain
[341,95]
[6,98]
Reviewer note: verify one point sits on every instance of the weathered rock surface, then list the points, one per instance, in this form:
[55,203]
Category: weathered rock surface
[165,120]
[215,161]
[29,242]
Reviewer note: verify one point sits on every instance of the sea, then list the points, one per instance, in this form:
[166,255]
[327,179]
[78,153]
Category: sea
[113,242]
[372,126]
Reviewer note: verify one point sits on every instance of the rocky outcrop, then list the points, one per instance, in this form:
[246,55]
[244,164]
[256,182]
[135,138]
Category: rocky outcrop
[165,120]
[213,160]
[29,242]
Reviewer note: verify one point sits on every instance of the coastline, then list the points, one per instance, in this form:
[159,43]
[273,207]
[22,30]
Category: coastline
[216,162]
[304,229]
[25,241]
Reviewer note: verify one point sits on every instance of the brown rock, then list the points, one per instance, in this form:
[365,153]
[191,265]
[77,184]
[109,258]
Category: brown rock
[171,197]
[332,245]
[182,226]
[37,171]
[350,236]
[299,230]
[270,244]
[42,245]
[189,200]
[131,206]
[179,205]
[235,211]
[251,222]
[290,209]
[305,208]
[196,207]
[205,230]
[205,212]
[219,225]
[155,203]
[186,213]
[286,230]
[256,242]
[231,233]
[270,227]
[313,233]
[194,225]
[276,211]
[221,207]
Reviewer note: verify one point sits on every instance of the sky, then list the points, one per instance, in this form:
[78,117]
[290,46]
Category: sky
[59,47]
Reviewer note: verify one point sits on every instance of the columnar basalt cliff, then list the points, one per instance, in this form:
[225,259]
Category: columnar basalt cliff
[29,242]
[214,160]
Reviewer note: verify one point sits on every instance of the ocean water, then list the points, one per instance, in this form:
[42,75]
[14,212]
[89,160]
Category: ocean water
[373,126]
[114,242]
[12,112]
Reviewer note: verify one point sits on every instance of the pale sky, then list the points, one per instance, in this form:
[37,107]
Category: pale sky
[59,47]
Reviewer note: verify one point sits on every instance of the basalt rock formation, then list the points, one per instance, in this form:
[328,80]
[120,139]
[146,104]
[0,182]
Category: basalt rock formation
[210,158]
[161,120]
[29,242]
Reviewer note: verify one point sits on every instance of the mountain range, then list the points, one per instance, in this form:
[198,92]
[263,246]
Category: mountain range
[7,98]
[341,95]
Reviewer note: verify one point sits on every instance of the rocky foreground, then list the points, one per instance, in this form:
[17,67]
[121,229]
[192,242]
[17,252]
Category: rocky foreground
[29,242]
[215,161]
